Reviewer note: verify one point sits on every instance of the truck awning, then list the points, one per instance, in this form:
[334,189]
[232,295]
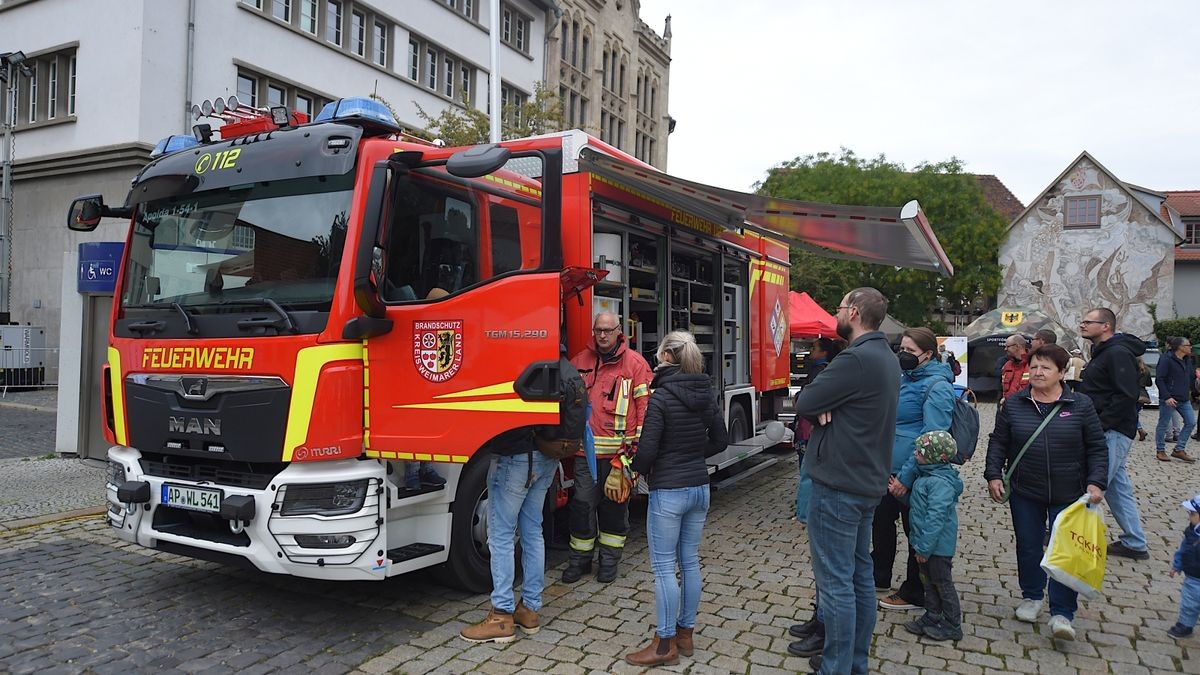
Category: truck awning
[898,236]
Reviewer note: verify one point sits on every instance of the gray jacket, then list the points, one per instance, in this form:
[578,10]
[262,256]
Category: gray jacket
[861,387]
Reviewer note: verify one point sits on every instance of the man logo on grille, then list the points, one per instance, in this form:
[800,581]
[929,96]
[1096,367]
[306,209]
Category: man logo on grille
[194,387]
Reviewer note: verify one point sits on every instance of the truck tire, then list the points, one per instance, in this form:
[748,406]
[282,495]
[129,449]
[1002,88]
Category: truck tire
[469,565]
[739,424]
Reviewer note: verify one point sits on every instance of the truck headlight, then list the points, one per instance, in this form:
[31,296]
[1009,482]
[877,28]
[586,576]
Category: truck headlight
[116,473]
[325,499]
[324,540]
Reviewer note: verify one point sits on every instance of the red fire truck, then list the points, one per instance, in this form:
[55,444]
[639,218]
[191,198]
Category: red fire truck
[303,307]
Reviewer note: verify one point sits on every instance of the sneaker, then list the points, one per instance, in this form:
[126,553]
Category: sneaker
[526,618]
[917,626]
[1182,455]
[882,589]
[1028,610]
[1060,627]
[894,601]
[431,477]
[941,631]
[1121,550]
[496,627]
[1161,455]
[1179,631]
[1141,434]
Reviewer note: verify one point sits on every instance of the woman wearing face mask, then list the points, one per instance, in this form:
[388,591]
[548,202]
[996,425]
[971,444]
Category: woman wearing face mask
[926,404]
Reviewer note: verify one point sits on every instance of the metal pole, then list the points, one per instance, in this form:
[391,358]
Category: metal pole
[6,192]
[494,80]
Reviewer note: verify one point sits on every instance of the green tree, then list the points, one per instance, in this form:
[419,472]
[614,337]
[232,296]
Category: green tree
[541,113]
[967,226]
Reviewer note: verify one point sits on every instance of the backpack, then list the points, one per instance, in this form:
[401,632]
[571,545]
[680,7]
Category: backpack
[565,439]
[955,367]
[964,427]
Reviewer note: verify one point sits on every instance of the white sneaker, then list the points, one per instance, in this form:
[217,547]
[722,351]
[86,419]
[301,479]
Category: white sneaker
[1060,627]
[1028,610]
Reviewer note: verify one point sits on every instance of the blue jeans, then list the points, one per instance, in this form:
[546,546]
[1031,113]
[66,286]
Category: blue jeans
[1119,495]
[803,493]
[515,503]
[1030,518]
[1166,418]
[674,521]
[1189,602]
[839,534]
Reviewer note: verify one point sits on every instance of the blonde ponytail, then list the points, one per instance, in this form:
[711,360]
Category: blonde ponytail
[681,345]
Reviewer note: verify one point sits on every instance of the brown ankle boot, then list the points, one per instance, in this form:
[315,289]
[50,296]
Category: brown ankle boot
[683,640]
[526,618]
[659,652]
[497,627]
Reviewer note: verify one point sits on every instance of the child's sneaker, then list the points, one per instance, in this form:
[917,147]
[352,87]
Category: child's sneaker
[1180,631]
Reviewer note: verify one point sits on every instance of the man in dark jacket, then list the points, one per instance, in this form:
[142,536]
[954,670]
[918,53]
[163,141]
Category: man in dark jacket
[1173,378]
[1111,380]
[853,408]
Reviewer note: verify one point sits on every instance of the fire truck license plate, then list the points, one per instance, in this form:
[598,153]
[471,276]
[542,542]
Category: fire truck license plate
[192,498]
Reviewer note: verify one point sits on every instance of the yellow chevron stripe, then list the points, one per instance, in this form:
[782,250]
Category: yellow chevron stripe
[490,390]
[514,405]
[118,394]
[304,388]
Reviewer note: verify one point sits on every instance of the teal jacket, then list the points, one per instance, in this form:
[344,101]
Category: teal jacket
[933,509]
[926,404]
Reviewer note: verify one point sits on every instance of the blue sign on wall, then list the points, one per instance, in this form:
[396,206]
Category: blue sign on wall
[98,265]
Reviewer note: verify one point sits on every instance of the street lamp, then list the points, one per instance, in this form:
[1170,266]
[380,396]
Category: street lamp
[12,64]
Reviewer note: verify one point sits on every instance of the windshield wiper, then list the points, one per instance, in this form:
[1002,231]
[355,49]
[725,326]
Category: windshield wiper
[288,324]
[155,326]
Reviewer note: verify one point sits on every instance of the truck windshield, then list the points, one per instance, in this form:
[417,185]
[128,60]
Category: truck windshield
[278,240]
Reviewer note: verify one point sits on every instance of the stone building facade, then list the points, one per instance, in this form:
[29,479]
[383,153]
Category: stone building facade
[1092,240]
[612,73]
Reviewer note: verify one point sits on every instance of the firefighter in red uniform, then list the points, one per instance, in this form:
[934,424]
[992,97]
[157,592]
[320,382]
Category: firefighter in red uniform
[618,382]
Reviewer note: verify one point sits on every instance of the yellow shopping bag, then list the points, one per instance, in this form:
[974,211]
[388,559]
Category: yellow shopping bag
[1078,549]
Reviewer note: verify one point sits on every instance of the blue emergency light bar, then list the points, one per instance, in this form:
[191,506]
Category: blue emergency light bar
[361,110]
[174,143]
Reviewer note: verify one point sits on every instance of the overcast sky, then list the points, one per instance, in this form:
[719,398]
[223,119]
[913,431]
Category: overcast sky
[1015,88]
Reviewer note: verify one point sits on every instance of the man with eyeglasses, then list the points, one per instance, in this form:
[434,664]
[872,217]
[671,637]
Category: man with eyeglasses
[1111,381]
[1015,375]
[618,382]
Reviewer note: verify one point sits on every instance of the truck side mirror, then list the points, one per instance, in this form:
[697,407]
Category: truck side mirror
[85,213]
[478,161]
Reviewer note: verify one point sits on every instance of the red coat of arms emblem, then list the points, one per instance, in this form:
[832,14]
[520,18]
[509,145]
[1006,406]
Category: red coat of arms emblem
[437,348]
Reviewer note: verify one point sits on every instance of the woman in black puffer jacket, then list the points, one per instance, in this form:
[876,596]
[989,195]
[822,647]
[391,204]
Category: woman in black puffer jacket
[1068,459]
[683,424]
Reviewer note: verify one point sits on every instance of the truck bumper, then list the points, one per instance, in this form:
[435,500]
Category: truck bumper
[309,520]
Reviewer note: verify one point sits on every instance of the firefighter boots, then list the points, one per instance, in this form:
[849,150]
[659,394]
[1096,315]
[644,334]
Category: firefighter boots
[610,556]
[683,640]
[526,618]
[660,652]
[578,565]
[496,627]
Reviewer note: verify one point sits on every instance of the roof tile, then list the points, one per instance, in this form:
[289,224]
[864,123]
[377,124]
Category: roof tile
[999,196]
[1186,202]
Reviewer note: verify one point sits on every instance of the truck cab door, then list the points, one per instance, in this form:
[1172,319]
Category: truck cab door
[467,272]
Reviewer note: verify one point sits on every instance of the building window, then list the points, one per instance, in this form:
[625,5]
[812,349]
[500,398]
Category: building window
[247,90]
[583,56]
[448,89]
[243,238]
[282,10]
[575,43]
[275,96]
[304,105]
[52,91]
[333,22]
[308,16]
[431,68]
[380,44]
[358,33]
[465,83]
[256,4]
[1083,211]
[1192,238]
[469,8]
[653,94]
[562,41]
[33,95]
[621,88]
[506,25]
[414,60]
[71,87]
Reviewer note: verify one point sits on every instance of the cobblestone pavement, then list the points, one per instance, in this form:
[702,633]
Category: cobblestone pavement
[25,431]
[73,592]
[36,486]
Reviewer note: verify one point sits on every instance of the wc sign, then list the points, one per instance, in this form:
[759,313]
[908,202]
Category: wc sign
[98,265]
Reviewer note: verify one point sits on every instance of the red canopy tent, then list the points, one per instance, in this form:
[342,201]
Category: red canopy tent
[806,319]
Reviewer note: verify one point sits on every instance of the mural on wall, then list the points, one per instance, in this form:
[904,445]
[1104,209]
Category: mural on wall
[1124,265]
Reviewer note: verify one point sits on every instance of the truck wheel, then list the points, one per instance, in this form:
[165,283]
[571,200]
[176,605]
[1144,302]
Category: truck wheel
[469,565]
[739,424]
